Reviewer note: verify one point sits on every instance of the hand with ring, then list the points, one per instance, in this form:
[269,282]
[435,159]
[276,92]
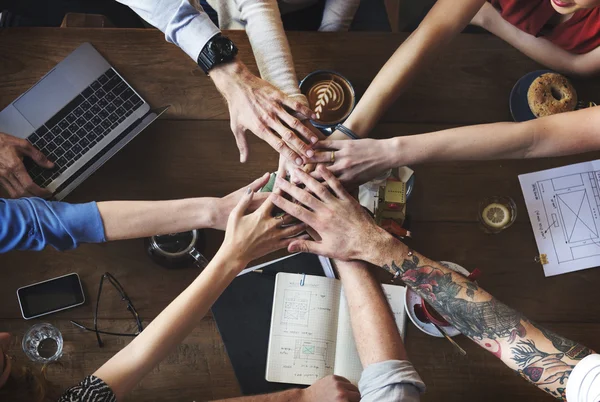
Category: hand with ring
[354,162]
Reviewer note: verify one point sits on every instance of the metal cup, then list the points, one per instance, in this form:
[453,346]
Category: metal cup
[178,250]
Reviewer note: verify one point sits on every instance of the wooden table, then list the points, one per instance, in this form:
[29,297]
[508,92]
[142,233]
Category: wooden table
[191,152]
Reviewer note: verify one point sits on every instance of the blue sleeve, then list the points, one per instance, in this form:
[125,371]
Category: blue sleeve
[33,223]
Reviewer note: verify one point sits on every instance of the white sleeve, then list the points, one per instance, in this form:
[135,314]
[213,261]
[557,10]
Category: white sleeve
[269,44]
[183,24]
[338,15]
[583,384]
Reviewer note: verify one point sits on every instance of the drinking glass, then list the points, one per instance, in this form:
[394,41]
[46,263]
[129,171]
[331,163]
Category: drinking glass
[43,343]
[496,213]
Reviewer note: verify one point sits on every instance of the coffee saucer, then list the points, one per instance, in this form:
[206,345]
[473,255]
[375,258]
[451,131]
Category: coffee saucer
[412,299]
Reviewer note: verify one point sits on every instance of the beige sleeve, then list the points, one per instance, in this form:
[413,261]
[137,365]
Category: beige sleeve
[338,15]
[269,44]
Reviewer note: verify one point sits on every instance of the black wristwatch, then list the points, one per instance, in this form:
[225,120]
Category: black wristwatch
[219,49]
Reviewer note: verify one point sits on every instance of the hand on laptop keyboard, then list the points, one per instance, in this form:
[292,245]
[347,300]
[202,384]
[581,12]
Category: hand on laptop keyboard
[13,175]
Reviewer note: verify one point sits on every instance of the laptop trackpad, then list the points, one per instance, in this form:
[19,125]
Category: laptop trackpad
[46,98]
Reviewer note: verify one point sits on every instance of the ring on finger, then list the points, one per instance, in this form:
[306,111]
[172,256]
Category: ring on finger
[332,156]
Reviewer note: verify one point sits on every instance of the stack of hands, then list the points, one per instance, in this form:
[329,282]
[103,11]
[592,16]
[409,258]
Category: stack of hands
[339,225]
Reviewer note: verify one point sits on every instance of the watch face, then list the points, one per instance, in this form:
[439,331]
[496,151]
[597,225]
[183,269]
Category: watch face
[222,46]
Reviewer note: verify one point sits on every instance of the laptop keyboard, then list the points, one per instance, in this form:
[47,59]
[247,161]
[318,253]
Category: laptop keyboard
[81,124]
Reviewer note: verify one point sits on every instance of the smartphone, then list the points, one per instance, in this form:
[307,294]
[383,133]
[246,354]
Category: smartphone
[50,296]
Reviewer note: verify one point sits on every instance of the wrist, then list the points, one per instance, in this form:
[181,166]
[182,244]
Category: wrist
[380,246]
[227,75]
[209,214]
[394,151]
[229,261]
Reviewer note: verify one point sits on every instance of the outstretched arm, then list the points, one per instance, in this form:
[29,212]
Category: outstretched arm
[347,232]
[561,134]
[247,237]
[539,49]
[446,19]
[538,355]
[33,223]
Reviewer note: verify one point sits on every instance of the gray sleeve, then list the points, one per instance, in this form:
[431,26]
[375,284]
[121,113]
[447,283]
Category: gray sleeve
[392,380]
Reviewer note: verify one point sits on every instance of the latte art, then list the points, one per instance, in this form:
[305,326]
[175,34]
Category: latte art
[328,96]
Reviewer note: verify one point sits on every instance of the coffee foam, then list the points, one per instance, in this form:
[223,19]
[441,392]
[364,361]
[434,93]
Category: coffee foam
[328,95]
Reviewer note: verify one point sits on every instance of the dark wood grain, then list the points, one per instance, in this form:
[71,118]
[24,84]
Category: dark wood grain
[192,153]
[469,82]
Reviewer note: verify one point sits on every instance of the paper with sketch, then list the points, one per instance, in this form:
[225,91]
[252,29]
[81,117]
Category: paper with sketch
[564,209]
[311,334]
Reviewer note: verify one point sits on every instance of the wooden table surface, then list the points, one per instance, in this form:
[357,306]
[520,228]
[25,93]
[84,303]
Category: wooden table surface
[191,152]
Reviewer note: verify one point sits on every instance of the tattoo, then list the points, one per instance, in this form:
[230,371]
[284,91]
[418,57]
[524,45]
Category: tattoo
[570,348]
[478,320]
[539,367]
[491,322]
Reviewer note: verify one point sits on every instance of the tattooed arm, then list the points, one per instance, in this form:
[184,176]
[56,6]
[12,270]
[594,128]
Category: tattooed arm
[347,232]
[540,356]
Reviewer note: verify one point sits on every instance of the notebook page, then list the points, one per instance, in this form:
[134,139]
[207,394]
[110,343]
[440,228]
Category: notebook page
[303,329]
[347,361]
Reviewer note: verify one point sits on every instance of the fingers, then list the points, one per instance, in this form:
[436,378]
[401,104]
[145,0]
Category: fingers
[321,157]
[293,230]
[291,138]
[295,210]
[317,188]
[299,194]
[242,143]
[301,129]
[298,107]
[259,183]
[281,170]
[306,246]
[287,220]
[35,154]
[333,183]
[243,203]
[330,144]
[280,146]
[27,186]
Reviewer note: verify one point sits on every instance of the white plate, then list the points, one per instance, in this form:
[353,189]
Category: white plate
[413,298]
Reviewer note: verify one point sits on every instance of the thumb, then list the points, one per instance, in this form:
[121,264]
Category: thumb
[305,246]
[243,203]
[37,156]
[242,144]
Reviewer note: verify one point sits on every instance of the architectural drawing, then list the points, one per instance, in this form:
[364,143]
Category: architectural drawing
[564,208]
[310,350]
[296,307]
[571,205]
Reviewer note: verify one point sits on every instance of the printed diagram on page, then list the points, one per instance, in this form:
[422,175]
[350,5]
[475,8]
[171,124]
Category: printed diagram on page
[563,206]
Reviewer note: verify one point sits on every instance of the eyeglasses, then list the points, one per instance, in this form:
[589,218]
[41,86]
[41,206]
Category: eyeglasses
[113,281]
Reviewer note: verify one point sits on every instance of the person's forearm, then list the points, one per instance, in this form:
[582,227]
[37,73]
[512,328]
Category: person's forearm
[561,134]
[442,23]
[375,332]
[539,49]
[338,15]
[541,357]
[133,219]
[183,24]
[171,327]
[270,45]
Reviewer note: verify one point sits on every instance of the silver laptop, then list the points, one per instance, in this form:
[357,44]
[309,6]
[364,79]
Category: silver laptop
[79,115]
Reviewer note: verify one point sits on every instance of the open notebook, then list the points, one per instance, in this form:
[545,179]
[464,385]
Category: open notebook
[311,335]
